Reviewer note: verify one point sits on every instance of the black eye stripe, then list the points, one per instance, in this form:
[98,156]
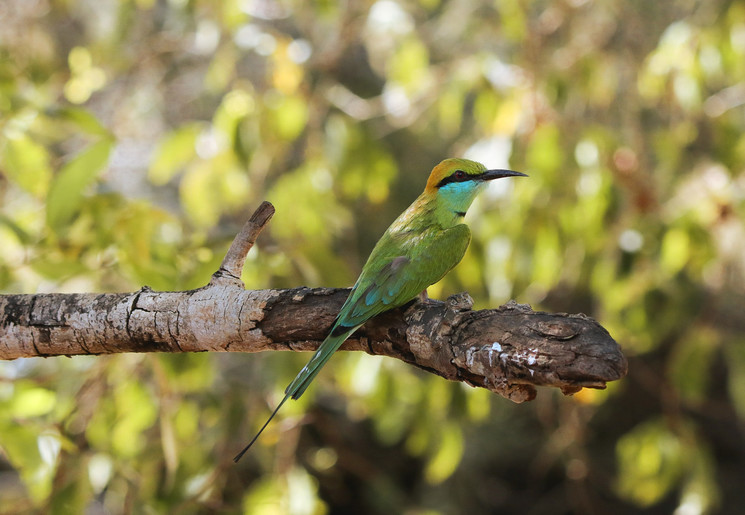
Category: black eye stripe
[456,176]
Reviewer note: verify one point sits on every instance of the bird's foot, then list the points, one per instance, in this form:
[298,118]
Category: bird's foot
[423,298]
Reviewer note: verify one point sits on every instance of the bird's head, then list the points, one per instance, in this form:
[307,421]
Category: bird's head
[456,182]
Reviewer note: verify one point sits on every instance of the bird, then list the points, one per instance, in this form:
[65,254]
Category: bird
[422,245]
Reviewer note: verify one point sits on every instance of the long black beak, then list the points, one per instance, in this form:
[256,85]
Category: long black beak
[498,174]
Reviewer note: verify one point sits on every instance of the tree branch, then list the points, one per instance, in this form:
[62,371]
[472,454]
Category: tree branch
[508,350]
[235,258]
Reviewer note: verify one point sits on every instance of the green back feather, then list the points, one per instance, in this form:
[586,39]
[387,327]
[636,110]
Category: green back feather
[395,273]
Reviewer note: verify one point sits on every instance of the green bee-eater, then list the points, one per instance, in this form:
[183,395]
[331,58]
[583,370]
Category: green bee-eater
[416,251]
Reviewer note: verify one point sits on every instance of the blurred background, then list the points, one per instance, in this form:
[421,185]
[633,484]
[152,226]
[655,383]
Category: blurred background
[136,137]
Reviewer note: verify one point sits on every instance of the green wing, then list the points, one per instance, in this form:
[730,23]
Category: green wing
[398,269]
[397,272]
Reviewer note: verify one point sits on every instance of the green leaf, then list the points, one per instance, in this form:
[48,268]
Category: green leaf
[83,120]
[546,257]
[675,250]
[544,153]
[174,151]
[448,455]
[485,109]
[26,163]
[136,412]
[289,117]
[187,372]
[20,446]
[450,110]
[316,215]
[409,66]
[650,462]
[33,402]
[514,24]
[66,192]
[264,496]
[199,197]
[690,364]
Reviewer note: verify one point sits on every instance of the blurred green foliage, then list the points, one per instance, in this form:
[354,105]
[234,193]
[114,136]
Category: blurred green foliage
[137,136]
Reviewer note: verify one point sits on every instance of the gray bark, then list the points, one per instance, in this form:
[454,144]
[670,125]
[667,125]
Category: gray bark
[507,350]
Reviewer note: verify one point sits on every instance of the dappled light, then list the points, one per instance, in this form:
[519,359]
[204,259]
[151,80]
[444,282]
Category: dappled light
[137,136]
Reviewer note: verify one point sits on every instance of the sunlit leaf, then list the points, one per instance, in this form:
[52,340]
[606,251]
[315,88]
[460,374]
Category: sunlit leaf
[478,404]
[68,186]
[513,19]
[173,152]
[545,153]
[287,75]
[19,443]
[188,372]
[690,364]
[221,68]
[675,250]
[394,401]
[650,462]
[450,110]
[485,109]
[83,119]
[137,412]
[409,65]
[264,497]
[289,116]
[316,215]
[627,119]
[296,494]
[211,188]
[26,162]
[186,421]
[32,402]
[546,257]
[448,454]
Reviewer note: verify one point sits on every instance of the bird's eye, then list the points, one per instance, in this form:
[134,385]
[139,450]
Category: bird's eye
[459,175]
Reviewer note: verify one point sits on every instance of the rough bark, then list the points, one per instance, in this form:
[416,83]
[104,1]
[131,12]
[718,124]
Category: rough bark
[508,350]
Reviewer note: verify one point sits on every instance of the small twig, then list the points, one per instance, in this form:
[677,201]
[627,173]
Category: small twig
[232,265]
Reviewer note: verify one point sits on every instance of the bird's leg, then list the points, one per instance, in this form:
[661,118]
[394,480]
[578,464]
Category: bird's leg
[424,298]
